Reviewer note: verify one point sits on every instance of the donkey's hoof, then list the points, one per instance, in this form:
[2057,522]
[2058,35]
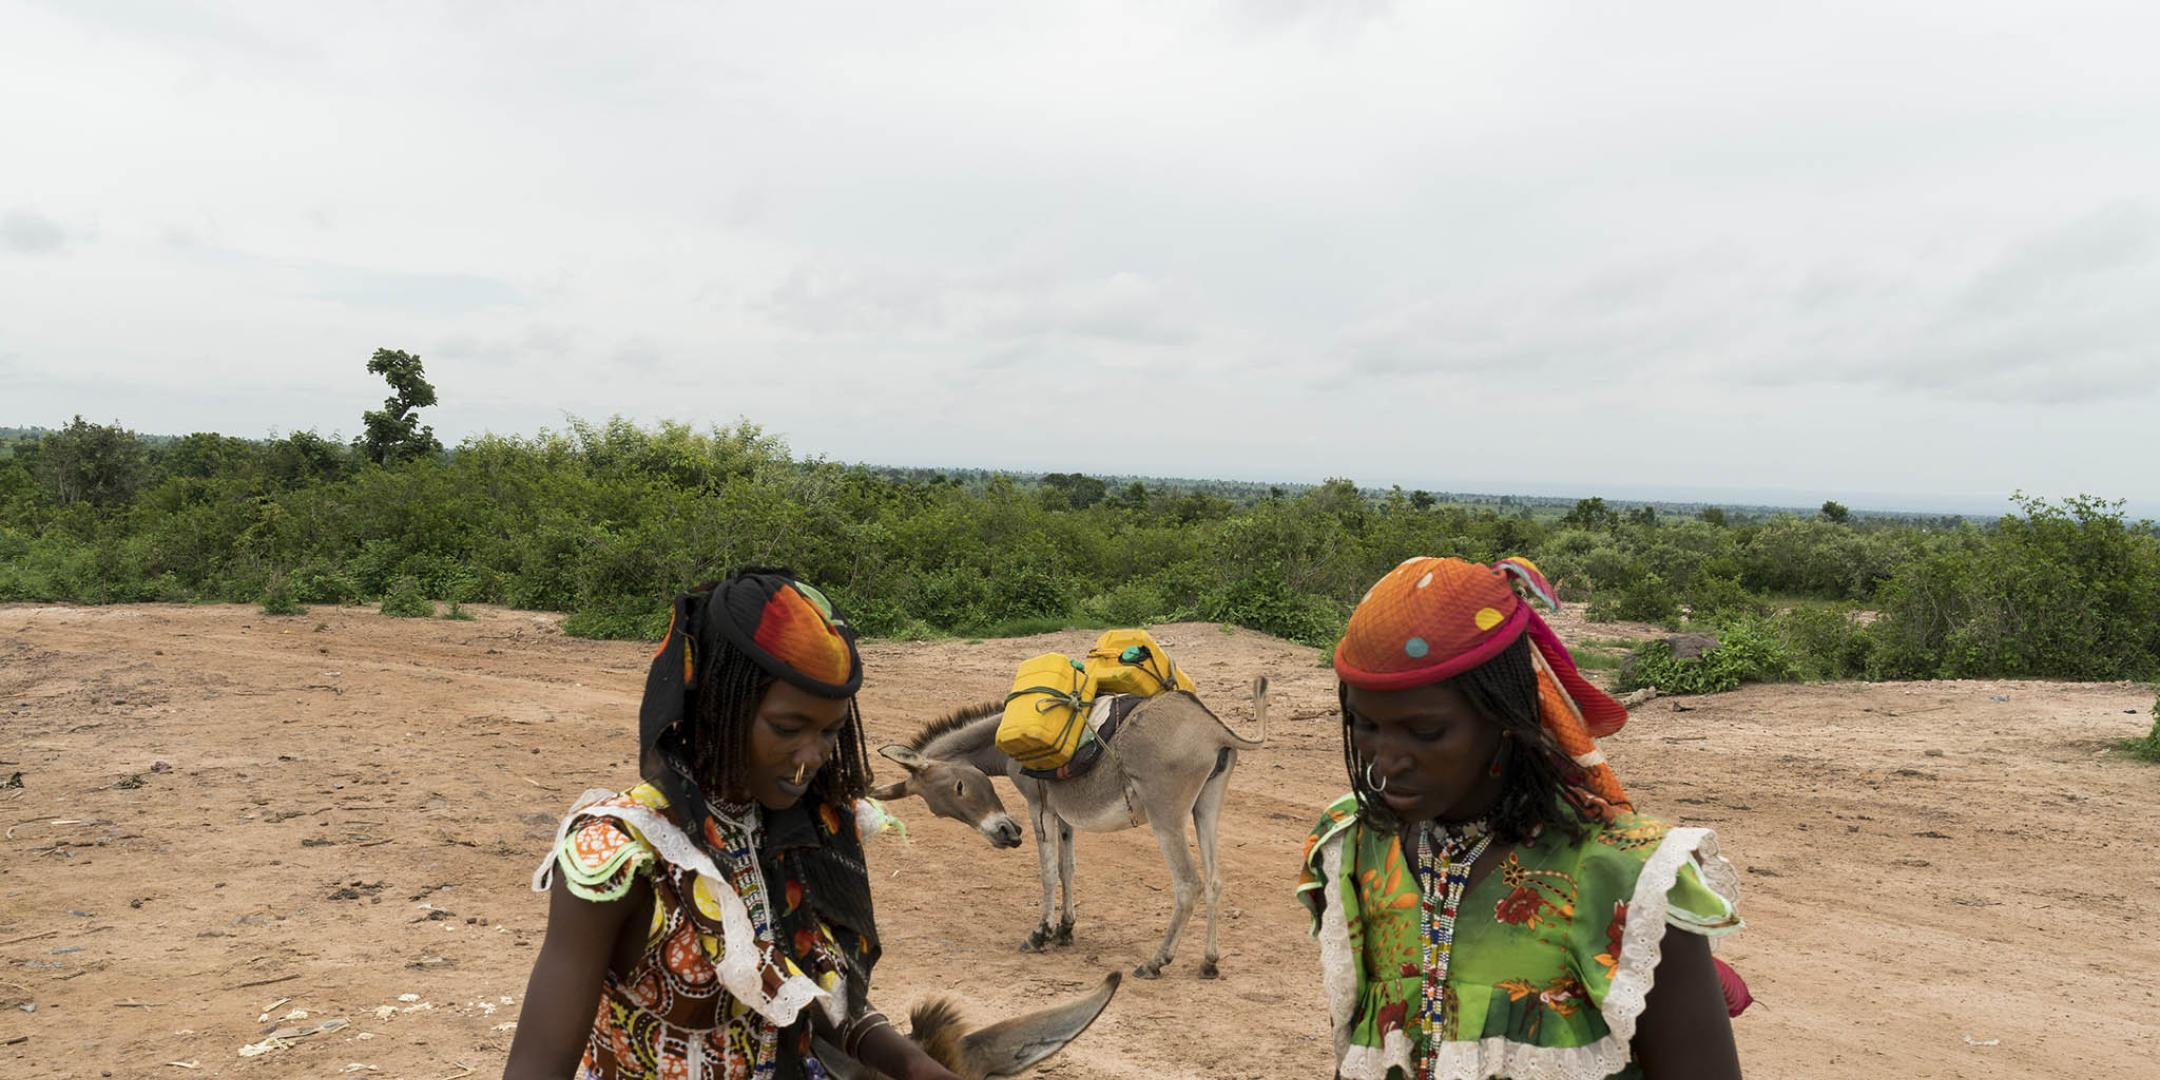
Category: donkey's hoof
[1035,941]
[1148,971]
[1064,935]
[1208,970]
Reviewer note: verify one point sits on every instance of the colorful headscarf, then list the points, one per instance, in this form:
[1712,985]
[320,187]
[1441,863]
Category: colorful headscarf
[1431,619]
[784,625]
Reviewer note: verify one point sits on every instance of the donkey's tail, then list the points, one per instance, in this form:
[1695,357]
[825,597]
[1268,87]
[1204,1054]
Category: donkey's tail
[1259,711]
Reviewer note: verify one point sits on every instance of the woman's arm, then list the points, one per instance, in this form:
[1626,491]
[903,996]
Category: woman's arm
[874,1042]
[564,991]
[1685,1033]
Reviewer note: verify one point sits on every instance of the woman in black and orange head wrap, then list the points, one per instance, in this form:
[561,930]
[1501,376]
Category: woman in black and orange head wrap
[1487,901]
[712,919]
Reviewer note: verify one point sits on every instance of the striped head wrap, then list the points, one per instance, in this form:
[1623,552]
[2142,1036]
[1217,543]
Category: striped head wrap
[1432,619]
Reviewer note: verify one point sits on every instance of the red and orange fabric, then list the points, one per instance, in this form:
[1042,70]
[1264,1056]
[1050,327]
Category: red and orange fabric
[1433,618]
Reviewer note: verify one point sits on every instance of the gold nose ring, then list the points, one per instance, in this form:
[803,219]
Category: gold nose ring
[799,772]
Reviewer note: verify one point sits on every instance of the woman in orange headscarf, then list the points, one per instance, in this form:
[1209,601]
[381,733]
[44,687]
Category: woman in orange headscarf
[1487,901]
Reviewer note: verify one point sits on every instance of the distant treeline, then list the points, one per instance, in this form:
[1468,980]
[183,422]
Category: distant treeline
[605,521]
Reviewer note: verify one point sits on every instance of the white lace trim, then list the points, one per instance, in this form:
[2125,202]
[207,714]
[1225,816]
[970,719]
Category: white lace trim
[1643,942]
[738,950]
[1484,1058]
[1338,974]
[1640,949]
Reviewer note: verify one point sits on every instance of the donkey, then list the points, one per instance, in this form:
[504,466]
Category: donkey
[1002,1049]
[1169,763]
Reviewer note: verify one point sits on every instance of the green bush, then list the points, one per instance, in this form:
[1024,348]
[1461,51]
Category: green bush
[620,622]
[1129,603]
[1715,597]
[1644,598]
[277,598]
[2148,748]
[407,599]
[1270,607]
[1748,650]
[1825,642]
[2069,591]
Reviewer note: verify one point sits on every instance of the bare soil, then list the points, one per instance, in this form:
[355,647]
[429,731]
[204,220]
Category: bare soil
[225,817]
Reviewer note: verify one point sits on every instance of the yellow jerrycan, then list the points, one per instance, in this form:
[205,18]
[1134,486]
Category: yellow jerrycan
[1133,662]
[1046,714]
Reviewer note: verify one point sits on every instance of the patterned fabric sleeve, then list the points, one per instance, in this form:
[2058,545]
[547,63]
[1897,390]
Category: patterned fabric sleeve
[1638,877]
[1312,884]
[601,857]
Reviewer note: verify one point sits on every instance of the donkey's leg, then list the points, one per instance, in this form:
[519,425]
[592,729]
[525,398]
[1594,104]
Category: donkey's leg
[1184,884]
[1046,867]
[1207,818]
[1066,859]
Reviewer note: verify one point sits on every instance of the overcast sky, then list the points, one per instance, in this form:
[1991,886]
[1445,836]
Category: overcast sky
[1837,248]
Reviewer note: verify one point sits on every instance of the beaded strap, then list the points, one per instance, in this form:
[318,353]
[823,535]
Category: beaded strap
[1442,878]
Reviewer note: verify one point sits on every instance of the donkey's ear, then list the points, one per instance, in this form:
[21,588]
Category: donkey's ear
[907,756]
[1005,1048]
[898,789]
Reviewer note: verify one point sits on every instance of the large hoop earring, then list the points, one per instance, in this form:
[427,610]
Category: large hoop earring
[1375,786]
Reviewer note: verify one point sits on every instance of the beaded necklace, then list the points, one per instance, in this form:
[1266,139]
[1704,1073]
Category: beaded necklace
[1443,875]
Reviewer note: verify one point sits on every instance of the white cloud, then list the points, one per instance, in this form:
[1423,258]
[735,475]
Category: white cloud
[876,228]
[27,232]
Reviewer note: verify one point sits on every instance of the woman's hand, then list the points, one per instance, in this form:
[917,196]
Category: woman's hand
[889,1052]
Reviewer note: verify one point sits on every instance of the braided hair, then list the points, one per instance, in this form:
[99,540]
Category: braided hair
[1539,783]
[716,734]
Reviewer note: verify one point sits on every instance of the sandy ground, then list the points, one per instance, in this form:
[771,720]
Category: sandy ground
[224,818]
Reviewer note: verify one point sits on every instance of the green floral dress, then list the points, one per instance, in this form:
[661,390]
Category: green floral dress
[1554,952]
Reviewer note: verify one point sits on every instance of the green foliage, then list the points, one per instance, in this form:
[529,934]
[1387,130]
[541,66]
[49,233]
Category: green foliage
[1825,642]
[1131,603]
[1073,491]
[1748,650]
[94,463]
[606,521]
[278,599]
[1590,513]
[1267,605]
[394,433]
[1642,598]
[406,598]
[2147,748]
[2069,591]
[1792,556]
[1835,513]
[619,622]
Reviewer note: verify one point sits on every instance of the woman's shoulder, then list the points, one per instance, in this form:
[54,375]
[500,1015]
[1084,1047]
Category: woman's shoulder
[601,846]
[1635,857]
[1340,817]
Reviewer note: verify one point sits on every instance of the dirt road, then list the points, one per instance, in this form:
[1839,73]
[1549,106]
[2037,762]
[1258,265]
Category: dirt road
[226,820]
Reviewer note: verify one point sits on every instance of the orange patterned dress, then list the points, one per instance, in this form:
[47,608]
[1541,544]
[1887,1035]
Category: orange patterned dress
[711,995]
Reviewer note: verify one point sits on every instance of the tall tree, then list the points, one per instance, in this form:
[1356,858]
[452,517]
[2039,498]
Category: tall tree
[394,432]
[95,463]
[1834,511]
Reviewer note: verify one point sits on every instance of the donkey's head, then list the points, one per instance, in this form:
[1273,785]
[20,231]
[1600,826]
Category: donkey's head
[954,789]
[1006,1048]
